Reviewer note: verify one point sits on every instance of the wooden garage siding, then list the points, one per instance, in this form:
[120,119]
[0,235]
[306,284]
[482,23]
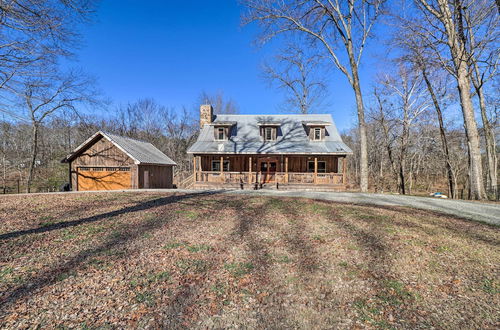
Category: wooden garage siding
[160,176]
[103,153]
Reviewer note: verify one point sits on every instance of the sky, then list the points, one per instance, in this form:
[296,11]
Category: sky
[171,51]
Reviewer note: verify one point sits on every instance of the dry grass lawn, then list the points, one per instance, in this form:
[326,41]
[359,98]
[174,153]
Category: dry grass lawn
[139,260]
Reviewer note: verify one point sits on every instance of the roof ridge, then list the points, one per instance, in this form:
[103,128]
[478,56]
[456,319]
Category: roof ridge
[125,137]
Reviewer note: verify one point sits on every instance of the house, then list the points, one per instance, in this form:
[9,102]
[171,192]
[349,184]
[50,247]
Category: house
[110,162]
[252,151]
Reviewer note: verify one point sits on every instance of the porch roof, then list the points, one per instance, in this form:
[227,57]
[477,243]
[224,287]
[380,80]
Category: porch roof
[291,136]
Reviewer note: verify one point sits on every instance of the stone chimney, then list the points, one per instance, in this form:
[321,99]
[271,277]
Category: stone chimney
[206,114]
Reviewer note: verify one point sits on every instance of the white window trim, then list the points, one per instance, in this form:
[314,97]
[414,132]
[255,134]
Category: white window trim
[312,161]
[314,133]
[272,133]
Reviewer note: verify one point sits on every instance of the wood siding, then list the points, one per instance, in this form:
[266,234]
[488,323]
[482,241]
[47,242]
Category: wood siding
[103,153]
[295,163]
[159,176]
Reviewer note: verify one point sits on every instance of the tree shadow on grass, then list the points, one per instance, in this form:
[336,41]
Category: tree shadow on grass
[62,269]
[460,226]
[249,221]
[139,207]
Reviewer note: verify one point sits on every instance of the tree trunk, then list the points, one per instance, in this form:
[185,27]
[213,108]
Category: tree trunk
[34,151]
[442,133]
[402,156]
[489,137]
[363,159]
[456,43]
[476,171]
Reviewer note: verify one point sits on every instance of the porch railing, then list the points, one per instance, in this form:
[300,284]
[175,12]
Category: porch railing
[277,177]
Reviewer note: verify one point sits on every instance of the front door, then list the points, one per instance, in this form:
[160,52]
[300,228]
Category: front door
[146,179]
[267,169]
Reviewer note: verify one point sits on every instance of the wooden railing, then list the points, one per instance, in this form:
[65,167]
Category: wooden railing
[277,177]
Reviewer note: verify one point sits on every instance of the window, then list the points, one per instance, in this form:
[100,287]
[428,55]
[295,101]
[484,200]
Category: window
[269,133]
[220,133]
[321,166]
[107,169]
[216,166]
[317,134]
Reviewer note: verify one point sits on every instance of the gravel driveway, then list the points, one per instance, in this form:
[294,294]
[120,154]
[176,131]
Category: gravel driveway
[478,211]
[484,212]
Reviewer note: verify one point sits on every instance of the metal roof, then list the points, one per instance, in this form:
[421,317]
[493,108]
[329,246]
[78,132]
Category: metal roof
[141,152]
[291,136]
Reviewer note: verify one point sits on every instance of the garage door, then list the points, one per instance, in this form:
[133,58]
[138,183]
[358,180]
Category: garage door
[104,178]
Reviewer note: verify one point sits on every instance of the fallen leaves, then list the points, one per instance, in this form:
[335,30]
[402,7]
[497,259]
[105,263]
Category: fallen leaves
[162,260]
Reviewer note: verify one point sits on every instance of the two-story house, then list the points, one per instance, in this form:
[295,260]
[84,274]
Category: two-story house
[248,151]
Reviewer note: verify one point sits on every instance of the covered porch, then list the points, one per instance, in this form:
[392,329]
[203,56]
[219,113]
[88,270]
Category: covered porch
[253,171]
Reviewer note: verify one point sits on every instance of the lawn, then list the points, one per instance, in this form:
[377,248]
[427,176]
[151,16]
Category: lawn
[214,260]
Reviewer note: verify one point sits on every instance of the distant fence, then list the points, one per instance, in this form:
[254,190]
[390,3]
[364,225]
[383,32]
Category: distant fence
[18,186]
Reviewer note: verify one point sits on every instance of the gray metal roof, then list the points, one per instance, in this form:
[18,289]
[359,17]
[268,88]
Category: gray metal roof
[141,152]
[291,138]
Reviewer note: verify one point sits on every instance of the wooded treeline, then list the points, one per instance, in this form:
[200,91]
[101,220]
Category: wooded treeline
[426,121]
[440,65]
[170,130]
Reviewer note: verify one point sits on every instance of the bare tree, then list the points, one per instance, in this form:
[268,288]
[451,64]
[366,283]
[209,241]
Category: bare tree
[42,98]
[34,33]
[483,56]
[443,25]
[340,28]
[221,104]
[404,89]
[299,75]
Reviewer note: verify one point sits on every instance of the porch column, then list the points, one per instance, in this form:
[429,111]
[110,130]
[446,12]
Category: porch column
[250,170]
[222,168]
[286,169]
[315,168]
[344,171]
[195,169]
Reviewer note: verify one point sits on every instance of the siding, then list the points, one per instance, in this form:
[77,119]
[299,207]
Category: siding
[160,176]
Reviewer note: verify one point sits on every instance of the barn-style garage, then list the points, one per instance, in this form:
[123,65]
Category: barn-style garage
[111,162]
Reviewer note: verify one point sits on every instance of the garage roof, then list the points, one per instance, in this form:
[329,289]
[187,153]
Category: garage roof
[141,152]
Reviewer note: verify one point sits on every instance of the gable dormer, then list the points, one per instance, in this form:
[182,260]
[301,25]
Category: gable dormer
[222,130]
[316,130]
[269,130]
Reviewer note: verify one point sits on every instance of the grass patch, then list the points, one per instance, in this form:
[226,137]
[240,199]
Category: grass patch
[238,269]
[192,266]
[490,286]
[146,298]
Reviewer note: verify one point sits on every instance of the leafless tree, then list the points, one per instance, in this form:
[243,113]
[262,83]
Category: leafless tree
[37,32]
[407,101]
[299,74]
[340,28]
[219,102]
[44,97]
[481,23]
[442,29]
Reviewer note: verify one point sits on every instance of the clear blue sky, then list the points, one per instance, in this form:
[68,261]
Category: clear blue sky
[173,50]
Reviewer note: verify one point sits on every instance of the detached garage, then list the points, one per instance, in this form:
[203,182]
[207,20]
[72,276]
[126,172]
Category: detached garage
[111,162]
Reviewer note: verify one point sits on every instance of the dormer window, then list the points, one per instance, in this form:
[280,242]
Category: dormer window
[316,130]
[317,134]
[220,133]
[269,133]
[269,130]
[222,130]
